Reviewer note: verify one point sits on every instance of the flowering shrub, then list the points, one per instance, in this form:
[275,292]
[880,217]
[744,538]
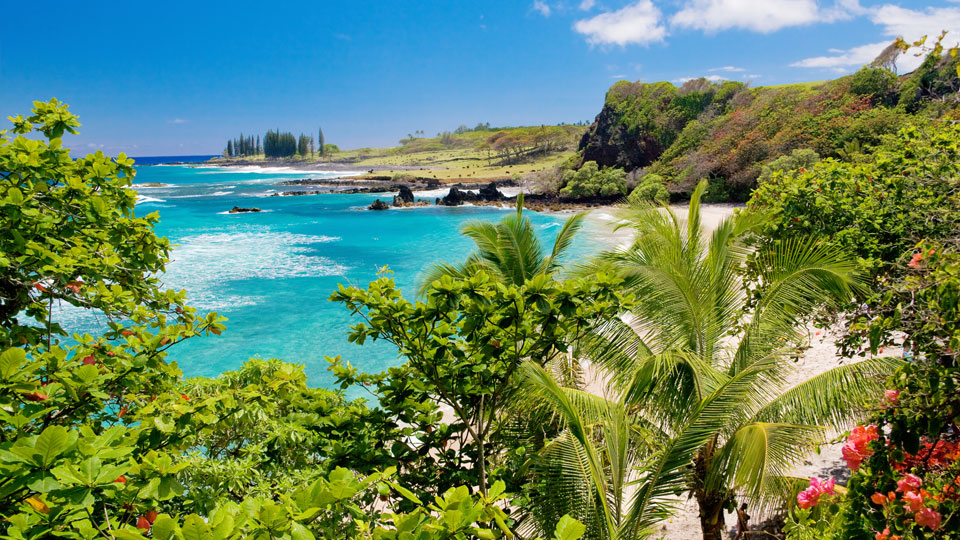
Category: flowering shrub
[906,479]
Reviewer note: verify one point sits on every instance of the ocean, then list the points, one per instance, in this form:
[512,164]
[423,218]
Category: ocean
[270,273]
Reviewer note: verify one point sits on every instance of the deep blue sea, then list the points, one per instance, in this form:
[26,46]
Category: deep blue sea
[271,272]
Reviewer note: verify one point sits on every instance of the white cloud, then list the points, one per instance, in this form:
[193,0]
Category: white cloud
[542,7]
[637,23]
[765,17]
[857,56]
[895,22]
[177,121]
[619,76]
[587,5]
[711,78]
[730,69]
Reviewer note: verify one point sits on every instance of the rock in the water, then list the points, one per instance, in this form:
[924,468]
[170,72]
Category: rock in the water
[490,193]
[379,205]
[238,210]
[404,197]
[456,197]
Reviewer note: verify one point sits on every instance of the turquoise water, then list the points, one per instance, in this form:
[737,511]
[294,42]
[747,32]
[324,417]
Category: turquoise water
[271,272]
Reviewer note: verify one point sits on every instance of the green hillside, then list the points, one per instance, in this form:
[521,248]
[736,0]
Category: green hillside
[727,132]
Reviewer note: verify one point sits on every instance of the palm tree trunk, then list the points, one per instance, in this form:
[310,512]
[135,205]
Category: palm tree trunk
[711,516]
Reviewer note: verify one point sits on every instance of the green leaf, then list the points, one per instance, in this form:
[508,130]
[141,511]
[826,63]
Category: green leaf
[299,532]
[195,528]
[10,362]
[407,494]
[164,528]
[50,443]
[569,529]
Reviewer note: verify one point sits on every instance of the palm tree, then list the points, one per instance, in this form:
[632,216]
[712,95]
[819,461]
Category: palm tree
[508,250]
[701,366]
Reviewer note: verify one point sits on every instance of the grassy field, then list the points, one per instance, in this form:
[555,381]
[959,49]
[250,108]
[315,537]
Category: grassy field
[474,156]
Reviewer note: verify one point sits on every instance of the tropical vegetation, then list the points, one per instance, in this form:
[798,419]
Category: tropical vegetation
[536,397]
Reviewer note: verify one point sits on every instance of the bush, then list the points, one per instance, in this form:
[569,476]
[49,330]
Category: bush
[801,158]
[906,462]
[877,83]
[650,189]
[590,181]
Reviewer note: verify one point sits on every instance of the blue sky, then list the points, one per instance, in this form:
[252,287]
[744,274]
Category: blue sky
[178,78]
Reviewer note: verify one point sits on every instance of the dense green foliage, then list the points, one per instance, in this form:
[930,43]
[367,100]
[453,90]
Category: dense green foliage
[590,181]
[878,208]
[728,132]
[651,189]
[101,438]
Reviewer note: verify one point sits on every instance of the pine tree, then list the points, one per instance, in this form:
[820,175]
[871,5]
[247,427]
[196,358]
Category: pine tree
[258,149]
[229,149]
[320,141]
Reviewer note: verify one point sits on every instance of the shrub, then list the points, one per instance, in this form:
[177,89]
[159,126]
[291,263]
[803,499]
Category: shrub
[801,158]
[591,181]
[877,83]
[650,189]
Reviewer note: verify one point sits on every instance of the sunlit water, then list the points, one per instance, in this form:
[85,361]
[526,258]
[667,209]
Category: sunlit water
[271,272]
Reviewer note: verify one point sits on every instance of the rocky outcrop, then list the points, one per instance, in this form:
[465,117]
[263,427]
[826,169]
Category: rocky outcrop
[490,193]
[610,143]
[238,210]
[456,197]
[404,197]
[379,205]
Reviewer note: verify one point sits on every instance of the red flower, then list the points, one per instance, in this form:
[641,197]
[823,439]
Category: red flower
[151,516]
[856,449]
[143,524]
[879,498]
[914,501]
[122,479]
[891,395]
[915,261]
[126,333]
[89,360]
[184,396]
[928,517]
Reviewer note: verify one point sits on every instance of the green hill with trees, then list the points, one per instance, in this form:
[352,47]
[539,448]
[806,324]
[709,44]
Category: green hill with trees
[726,132]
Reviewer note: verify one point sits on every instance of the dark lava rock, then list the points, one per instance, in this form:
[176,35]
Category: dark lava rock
[610,143]
[379,205]
[490,193]
[405,196]
[238,210]
[456,197]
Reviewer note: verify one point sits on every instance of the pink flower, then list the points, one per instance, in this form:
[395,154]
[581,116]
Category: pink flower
[914,501]
[808,498]
[915,261]
[928,517]
[821,487]
[891,396]
[908,483]
[879,498]
[883,535]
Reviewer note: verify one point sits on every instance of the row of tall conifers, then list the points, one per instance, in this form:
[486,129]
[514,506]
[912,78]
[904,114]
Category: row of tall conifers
[276,145]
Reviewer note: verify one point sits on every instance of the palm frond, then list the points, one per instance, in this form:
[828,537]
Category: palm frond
[834,398]
[758,451]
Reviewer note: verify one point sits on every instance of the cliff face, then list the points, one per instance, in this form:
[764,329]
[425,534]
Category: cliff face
[609,144]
